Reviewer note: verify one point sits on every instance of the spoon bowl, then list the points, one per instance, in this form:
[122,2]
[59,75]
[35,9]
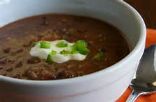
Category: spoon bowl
[145,76]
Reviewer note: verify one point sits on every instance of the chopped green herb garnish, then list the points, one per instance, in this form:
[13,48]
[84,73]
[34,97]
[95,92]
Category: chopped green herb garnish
[45,44]
[84,51]
[99,56]
[81,47]
[49,60]
[53,53]
[62,44]
[74,51]
[65,52]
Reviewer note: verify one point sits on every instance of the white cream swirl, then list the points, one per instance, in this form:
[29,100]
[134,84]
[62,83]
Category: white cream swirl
[57,57]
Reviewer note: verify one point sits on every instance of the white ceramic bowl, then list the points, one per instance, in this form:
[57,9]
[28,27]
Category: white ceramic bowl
[104,86]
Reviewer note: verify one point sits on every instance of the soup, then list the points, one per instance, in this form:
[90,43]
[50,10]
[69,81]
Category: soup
[106,46]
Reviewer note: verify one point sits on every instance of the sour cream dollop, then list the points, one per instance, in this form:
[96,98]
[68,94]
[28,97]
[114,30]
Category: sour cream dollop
[60,51]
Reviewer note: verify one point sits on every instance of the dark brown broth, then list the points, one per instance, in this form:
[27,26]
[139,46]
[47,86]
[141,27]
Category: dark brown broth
[17,38]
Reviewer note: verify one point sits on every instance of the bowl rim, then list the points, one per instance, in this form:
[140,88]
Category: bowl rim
[112,68]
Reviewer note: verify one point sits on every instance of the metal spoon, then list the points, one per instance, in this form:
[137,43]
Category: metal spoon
[145,76]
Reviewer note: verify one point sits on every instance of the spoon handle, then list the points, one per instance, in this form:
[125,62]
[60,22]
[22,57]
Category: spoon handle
[133,96]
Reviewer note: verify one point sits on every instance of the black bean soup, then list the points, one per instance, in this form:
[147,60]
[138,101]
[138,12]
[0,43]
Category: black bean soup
[106,43]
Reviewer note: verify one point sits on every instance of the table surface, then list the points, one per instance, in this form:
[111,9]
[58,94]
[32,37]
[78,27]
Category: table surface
[147,8]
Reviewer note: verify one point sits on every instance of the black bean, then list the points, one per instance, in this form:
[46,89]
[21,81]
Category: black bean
[102,50]
[40,73]
[70,66]
[72,31]
[4,61]
[90,43]
[6,50]
[80,73]
[47,75]
[44,21]
[33,60]
[9,69]
[19,64]
[1,68]
[65,74]
[40,36]
[32,40]
[81,31]
[27,44]
[4,74]
[17,76]
[19,50]
[10,61]
[31,75]
[64,30]
[64,20]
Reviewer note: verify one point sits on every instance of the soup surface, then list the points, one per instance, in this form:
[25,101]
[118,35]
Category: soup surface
[106,44]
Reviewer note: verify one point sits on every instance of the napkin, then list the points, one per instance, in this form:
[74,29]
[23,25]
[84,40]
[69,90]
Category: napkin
[150,40]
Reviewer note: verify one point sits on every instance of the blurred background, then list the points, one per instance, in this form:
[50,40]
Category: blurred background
[147,8]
